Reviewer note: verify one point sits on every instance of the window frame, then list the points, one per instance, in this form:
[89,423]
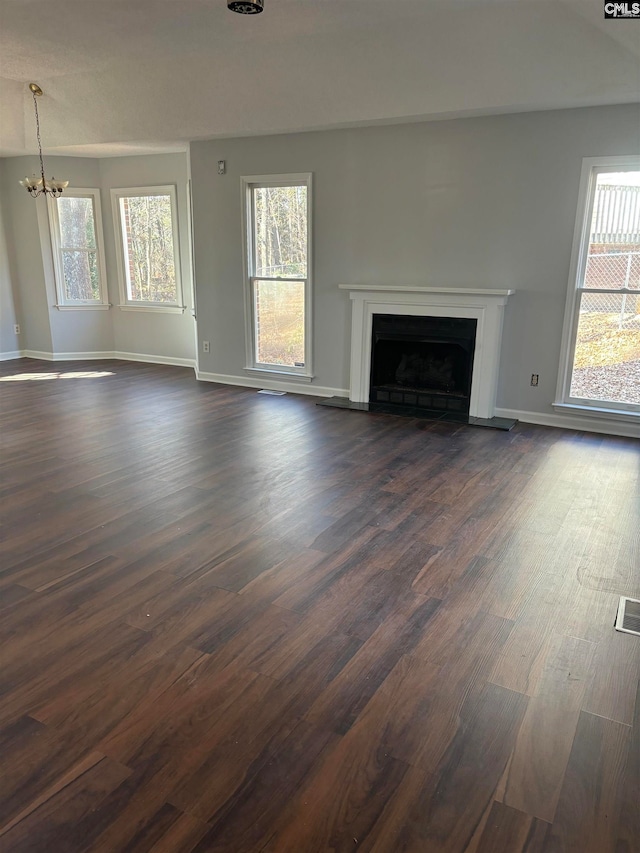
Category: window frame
[62,302]
[591,168]
[126,303]
[253,366]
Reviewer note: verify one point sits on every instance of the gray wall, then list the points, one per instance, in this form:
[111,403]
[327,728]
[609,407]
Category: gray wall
[482,202]
[45,329]
[9,310]
[24,254]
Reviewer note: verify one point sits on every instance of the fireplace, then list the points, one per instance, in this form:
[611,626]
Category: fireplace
[422,362]
[413,303]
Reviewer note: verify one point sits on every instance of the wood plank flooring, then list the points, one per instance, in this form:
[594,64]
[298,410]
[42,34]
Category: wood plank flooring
[239,623]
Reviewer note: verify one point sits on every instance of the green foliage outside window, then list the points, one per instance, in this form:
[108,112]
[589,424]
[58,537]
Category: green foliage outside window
[149,252]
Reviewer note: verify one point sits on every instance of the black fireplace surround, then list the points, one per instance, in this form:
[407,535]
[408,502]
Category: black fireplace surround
[422,362]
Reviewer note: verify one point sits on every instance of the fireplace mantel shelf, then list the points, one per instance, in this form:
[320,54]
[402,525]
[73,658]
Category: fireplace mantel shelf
[416,288]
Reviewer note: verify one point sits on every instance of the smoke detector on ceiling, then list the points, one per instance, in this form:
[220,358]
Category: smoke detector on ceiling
[246,7]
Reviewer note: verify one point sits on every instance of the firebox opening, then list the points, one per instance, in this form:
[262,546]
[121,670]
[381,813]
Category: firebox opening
[422,362]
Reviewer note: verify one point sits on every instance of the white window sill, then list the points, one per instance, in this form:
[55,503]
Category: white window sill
[598,412]
[155,309]
[84,307]
[286,375]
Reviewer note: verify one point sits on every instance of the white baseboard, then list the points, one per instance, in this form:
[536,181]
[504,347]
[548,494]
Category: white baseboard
[272,384]
[69,356]
[608,426]
[154,359]
[98,356]
[10,356]
[40,356]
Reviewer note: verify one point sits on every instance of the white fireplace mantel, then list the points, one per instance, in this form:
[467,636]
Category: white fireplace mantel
[485,306]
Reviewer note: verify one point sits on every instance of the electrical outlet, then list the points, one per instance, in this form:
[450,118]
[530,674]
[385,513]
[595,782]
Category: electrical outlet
[16,329]
[534,379]
[205,346]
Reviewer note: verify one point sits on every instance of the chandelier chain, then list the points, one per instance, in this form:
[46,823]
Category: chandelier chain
[35,104]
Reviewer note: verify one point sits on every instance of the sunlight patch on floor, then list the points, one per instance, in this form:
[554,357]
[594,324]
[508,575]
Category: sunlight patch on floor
[74,374]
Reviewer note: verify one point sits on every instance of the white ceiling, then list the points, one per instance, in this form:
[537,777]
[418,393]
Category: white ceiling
[131,76]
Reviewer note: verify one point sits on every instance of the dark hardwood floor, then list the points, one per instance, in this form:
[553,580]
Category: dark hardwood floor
[236,622]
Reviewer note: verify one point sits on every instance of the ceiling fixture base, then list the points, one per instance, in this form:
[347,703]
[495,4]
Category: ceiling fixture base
[246,7]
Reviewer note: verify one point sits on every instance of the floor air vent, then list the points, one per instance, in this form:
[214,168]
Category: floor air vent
[628,618]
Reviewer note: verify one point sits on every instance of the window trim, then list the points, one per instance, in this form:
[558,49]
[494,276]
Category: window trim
[591,168]
[127,304]
[62,303]
[253,366]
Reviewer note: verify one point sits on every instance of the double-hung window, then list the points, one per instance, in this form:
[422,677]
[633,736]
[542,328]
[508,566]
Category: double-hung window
[146,228]
[600,367]
[278,281]
[78,256]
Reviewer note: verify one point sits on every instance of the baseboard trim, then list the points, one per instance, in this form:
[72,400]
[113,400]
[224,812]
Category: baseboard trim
[37,354]
[271,384]
[77,356]
[155,359]
[607,426]
[101,356]
[11,356]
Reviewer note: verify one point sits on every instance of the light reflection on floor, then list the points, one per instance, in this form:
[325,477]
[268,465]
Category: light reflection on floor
[74,374]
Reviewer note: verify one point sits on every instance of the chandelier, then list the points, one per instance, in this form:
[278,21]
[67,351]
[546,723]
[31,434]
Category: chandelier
[35,185]
[246,7]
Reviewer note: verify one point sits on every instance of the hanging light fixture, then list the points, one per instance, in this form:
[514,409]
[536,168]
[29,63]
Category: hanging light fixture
[35,185]
[246,7]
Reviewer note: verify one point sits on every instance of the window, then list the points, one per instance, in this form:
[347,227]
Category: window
[601,362]
[78,257]
[148,265]
[278,227]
